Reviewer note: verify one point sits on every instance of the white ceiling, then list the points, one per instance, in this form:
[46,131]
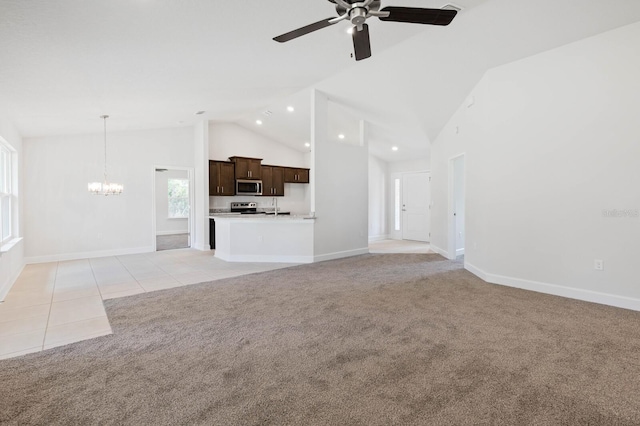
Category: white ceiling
[154,63]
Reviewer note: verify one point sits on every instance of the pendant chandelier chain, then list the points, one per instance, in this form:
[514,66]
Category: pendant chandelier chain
[104,117]
[104,187]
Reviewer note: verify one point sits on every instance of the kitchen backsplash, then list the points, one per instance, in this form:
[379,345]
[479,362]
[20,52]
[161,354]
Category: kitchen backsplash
[296,201]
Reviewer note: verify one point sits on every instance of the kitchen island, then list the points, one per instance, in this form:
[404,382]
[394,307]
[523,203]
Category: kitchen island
[264,238]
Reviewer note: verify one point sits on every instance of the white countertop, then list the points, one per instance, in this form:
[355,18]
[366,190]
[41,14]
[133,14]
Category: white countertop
[260,217]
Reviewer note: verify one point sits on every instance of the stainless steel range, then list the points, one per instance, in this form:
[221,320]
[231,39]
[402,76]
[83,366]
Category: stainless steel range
[244,207]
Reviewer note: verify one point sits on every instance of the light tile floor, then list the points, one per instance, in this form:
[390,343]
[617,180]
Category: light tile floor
[54,304]
[399,246]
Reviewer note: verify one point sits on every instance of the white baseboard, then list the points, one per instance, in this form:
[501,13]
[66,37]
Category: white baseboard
[12,280]
[264,258]
[459,252]
[373,238]
[476,271]
[557,290]
[87,255]
[12,259]
[439,251]
[340,254]
[171,232]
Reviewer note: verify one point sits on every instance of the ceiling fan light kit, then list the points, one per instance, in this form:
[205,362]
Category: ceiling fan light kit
[357,12]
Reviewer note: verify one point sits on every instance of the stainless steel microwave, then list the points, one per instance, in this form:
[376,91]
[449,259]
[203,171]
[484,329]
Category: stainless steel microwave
[248,187]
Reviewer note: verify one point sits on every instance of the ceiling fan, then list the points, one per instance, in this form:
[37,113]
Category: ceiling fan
[357,12]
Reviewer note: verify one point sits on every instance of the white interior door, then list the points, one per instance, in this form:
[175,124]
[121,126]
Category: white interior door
[416,196]
[458,205]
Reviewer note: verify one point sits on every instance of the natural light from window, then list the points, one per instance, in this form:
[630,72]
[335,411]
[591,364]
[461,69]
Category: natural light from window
[397,204]
[5,192]
[178,194]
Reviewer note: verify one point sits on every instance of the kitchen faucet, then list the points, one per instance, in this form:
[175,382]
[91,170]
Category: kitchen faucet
[275,203]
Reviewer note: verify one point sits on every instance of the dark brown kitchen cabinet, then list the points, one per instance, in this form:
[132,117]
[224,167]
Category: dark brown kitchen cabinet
[296,175]
[272,181]
[222,180]
[247,168]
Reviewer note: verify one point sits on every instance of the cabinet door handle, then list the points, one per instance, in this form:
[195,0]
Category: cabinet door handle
[223,189]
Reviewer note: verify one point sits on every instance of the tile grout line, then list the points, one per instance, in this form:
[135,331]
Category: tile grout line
[82,320]
[53,290]
[95,280]
[129,272]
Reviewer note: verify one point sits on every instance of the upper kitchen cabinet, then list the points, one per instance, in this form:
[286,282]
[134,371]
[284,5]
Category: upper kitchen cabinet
[296,175]
[222,180]
[272,181]
[247,168]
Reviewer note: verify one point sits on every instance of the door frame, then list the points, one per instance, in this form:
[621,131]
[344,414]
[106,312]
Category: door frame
[191,177]
[451,222]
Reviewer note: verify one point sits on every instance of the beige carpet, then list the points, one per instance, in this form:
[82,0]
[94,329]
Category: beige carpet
[390,339]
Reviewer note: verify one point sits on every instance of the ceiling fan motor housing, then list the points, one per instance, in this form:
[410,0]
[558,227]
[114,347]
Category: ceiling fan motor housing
[358,15]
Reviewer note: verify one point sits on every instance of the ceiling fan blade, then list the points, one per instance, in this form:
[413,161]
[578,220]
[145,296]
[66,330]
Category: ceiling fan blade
[418,15]
[361,43]
[304,30]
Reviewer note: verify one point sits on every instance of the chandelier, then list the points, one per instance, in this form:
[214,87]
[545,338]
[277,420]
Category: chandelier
[105,188]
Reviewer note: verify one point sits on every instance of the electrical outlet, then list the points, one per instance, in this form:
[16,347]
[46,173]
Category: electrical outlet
[598,264]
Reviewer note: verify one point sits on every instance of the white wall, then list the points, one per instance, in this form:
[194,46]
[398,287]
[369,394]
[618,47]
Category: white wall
[408,166]
[64,221]
[229,139]
[339,180]
[165,225]
[551,141]
[200,239]
[378,198]
[12,260]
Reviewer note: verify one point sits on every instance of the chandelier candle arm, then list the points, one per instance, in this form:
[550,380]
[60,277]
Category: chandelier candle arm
[105,188]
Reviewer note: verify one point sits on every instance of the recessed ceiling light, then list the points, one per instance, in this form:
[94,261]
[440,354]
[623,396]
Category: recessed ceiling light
[290,108]
[340,136]
[307,144]
[394,148]
[200,112]
[259,122]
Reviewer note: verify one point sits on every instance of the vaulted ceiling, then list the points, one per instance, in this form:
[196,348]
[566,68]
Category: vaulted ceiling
[154,63]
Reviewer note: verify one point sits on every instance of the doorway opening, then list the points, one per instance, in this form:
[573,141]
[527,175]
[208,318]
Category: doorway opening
[173,198]
[457,207]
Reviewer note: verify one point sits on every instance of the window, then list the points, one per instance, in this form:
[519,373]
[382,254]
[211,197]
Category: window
[5,193]
[397,205]
[178,198]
